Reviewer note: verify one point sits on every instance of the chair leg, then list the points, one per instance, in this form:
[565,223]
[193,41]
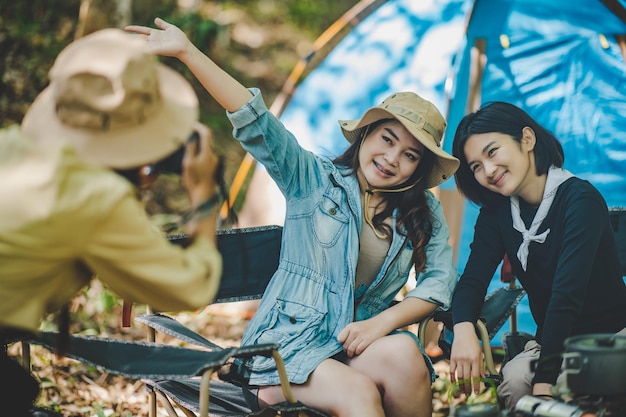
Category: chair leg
[421,330]
[165,402]
[282,375]
[513,317]
[152,403]
[204,392]
[26,355]
[484,337]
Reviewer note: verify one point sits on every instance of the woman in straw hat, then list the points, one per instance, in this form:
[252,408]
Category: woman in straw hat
[556,231]
[66,214]
[354,228]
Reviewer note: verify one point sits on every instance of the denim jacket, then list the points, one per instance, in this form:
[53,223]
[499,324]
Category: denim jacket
[311,298]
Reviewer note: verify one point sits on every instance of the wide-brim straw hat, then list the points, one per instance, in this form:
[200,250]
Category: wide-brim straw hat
[114,102]
[421,118]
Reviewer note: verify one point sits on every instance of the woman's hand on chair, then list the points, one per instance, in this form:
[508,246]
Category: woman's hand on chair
[466,359]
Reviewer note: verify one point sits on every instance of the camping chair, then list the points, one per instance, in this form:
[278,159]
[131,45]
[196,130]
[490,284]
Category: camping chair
[154,362]
[499,306]
[251,257]
[183,376]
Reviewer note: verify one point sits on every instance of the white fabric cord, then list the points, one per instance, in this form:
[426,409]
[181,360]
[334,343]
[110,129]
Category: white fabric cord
[556,176]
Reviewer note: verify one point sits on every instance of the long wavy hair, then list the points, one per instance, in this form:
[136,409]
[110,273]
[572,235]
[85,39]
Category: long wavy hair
[415,218]
[507,119]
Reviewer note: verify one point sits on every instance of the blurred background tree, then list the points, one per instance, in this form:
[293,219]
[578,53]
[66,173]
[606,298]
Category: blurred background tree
[258,41]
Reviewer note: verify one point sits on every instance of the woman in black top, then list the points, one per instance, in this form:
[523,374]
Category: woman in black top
[555,229]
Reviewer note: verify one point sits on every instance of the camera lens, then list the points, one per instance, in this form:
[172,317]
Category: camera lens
[171,164]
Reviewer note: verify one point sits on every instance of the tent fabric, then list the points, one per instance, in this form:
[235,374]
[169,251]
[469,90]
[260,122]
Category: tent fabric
[562,64]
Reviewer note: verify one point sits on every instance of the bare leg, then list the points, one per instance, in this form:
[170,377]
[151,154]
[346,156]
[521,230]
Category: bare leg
[391,375]
[395,363]
[334,388]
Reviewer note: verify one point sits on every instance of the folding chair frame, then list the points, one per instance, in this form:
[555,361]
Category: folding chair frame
[139,362]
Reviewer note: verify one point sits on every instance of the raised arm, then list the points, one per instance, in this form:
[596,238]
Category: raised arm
[169,40]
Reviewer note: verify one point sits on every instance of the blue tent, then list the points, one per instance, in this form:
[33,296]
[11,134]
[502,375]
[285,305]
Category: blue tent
[564,65]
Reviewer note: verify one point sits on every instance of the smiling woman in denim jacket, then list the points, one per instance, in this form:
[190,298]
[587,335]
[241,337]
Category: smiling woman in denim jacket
[354,228]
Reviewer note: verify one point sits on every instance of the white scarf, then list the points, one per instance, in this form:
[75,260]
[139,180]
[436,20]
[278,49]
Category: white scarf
[556,176]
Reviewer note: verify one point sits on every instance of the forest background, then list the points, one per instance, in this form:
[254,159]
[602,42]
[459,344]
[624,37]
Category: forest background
[257,41]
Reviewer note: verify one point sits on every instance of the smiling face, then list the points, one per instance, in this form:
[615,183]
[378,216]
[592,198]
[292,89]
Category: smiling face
[389,155]
[503,165]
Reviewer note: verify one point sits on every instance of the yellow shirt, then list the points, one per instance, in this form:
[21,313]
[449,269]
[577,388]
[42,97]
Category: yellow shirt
[61,220]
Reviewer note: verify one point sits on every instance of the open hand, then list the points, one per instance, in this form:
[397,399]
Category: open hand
[167,40]
[466,359]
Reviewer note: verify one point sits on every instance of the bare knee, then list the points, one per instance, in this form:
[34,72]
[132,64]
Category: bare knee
[407,360]
[364,394]
[341,392]
[409,392]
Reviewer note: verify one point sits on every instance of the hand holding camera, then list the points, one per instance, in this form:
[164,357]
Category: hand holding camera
[200,166]
[197,163]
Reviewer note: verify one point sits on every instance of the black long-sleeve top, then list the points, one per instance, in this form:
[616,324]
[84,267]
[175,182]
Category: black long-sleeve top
[573,280]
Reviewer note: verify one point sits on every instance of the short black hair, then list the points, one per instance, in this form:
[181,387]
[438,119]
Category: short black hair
[508,119]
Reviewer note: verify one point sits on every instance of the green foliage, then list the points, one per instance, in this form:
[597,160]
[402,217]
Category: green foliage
[316,14]
[313,16]
[31,35]
[42,14]
[144,11]
[46,383]
[202,31]
[100,411]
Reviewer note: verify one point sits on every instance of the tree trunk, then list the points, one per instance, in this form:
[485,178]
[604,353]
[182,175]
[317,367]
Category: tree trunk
[98,14]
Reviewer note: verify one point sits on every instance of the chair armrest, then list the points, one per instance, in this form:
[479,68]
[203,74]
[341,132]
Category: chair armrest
[171,327]
[138,360]
[266,349]
[481,332]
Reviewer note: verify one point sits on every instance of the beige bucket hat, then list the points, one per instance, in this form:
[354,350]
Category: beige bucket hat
[111,99]
[421,118]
